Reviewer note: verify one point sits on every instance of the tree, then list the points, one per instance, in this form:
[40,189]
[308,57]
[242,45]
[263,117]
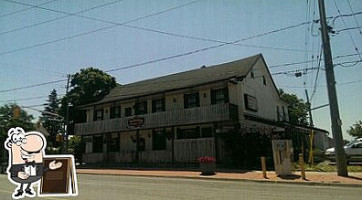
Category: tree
[77,145]
[298,110]
[87,86]
[50,122]
[7,121]
[356,130]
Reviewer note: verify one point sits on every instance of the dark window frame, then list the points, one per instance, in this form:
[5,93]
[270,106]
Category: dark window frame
[248,97]
[188,98]
[156,107]
[284,114]
[264,81]
[215,98]
[115,112]
[207,132]
[128,111]
[159,139]
[113,144]
[278,113]
[188,133]
[139,105]
[95,114]
[97,144]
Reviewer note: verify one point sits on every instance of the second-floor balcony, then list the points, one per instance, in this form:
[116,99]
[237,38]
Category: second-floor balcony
[204,114]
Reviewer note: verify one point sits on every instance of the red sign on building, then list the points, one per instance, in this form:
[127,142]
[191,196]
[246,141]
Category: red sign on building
[136,122]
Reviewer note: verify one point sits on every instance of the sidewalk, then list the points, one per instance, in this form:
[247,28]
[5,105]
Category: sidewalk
[316,178]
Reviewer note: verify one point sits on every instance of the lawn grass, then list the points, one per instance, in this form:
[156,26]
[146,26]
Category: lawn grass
[326,166]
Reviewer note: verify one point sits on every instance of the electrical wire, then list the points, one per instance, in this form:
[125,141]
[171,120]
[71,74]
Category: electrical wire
[273,66]
[28,98]
[159,31]
[57,18]
[354,17]
[95,30]
[31,86]
[343,64]
[347,29]
[317,75]
[349,33]
[342,83]
[346,15]
[25,9]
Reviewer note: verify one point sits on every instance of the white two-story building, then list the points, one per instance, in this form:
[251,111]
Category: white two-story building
[177,118]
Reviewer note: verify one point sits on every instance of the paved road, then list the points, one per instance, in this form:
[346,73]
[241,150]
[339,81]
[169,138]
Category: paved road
[133,187]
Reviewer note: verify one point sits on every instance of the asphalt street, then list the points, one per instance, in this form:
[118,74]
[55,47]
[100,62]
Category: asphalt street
[105,187]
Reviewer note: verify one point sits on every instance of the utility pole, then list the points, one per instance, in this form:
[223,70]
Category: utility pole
[332,95]
[309,110]
[311,135]
[65,134]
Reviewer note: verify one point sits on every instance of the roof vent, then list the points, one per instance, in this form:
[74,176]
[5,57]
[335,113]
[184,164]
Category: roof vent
[203,67]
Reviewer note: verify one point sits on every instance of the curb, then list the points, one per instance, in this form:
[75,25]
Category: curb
[238,180]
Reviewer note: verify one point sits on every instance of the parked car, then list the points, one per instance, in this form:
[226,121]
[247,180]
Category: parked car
[351,149]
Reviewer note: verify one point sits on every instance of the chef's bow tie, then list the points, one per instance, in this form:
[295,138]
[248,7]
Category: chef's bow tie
[32,163]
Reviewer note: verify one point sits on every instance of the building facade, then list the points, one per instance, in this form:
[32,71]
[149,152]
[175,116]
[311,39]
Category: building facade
[177,118]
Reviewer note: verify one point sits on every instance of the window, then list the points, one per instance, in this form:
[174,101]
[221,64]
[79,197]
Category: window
[113,142]
[264,80]
[251,103]
[191,100]
[278,113]
[97,144]
[284,115]
[252,74]
[358,145]
[98,114]
[115,112]
[219,96]
[206,132]
[158,105]
[141,108]
[189,133]
[159,139]
[128,112]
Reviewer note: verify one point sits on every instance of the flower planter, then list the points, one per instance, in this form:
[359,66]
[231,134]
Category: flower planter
[207,165]
[207,168]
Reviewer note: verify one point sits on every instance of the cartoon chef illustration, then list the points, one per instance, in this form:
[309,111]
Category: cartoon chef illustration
[26,152]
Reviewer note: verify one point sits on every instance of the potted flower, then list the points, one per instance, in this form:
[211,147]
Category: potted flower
[207,165]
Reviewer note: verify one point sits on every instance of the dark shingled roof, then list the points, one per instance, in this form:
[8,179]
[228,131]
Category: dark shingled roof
[181,80]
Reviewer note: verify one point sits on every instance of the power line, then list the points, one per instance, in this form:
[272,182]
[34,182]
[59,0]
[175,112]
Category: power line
[342,83]
[24,99]
[352,63]
[345,25]
[205,49]
[347,29]
[95,30]
[159,31]
[346,15]
[28,98]
[31,86]
[58,18]
[317,75]
[354,16]
[148,62]
[309,61]
[38,69]
[25,9]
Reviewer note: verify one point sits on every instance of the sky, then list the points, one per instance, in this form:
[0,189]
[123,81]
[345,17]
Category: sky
[43,40]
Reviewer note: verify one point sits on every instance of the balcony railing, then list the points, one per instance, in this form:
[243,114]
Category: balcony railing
[204,114]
